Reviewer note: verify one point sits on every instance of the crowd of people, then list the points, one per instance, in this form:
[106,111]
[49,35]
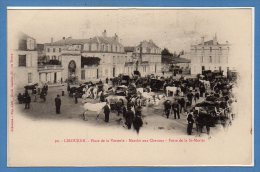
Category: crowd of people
[181,103]
[25,97]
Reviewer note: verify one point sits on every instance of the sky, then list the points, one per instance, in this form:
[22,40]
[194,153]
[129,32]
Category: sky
[174,29]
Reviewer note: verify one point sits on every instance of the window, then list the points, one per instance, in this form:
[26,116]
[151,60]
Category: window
[195,49]
[83,74]
[48,49]
[220,48]
[210,49]
[29,77]
[22,60]
[53,50]
[202,49]
[59,49]
[210,59]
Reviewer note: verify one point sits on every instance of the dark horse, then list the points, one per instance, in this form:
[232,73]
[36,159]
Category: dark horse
[210,120]
[204,119]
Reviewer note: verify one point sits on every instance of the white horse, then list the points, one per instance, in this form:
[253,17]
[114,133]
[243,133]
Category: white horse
[93,107]
[140,90]
[170,89]
[206,83]
[113,98]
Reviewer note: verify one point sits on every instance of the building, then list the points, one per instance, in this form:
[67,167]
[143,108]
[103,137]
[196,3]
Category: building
[70,54]
[147,58]
[210,55]
[98,58]
[25,61]
[130,62]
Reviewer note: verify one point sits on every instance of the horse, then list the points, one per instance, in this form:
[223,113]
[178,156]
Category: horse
[206,83]
[93,107]
[170,89]
[203,119]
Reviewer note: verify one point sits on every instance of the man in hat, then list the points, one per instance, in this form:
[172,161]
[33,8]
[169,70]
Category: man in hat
[57,104]
[176,109]
[129,117]
[167,108]
[107,112]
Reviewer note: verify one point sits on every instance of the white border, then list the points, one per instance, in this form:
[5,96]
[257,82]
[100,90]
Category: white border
[166,8]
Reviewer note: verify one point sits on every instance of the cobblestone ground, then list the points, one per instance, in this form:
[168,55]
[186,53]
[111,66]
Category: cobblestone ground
[153,116]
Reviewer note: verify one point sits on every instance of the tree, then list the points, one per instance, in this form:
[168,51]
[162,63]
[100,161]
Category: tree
[89,61]
[166,56]
[166,52]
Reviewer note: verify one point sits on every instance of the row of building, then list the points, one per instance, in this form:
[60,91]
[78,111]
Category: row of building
[95,58]
[103,57]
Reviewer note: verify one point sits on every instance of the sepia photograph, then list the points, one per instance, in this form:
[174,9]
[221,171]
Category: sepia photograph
[130,87]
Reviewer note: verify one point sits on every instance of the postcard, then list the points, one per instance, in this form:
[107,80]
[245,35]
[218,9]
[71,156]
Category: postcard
[130,87]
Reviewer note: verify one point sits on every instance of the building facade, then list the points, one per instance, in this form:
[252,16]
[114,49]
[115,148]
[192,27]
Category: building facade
[25,61]
[114,58]
[210,55]
[92,59]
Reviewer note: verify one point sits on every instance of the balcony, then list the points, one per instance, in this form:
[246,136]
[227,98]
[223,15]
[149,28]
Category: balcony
[47,67]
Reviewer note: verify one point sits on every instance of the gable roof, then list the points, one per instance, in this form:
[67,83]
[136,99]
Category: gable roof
[96,39]
[68,41]
[149,44]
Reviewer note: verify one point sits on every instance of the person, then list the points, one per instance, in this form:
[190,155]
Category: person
[190,97]
[167,108]
[27,101]
[190,123]
[68,87]
[43,96]
[20,98]
[129,117]
[100,82]
[138,122]
[182,104]
[202,90]
[107,112]
[119,105]
[107,80]
[34,91]
[176,109]
[102,97]
[197,96]
[76,96]
[57,104]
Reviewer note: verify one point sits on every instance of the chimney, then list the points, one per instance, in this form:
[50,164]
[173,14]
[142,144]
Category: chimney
[104,34]
[202,40]
[63,38]
[215,41]
[116,37]
[51,40]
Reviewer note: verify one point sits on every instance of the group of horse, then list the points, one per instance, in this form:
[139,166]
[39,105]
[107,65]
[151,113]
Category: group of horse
[214,110]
